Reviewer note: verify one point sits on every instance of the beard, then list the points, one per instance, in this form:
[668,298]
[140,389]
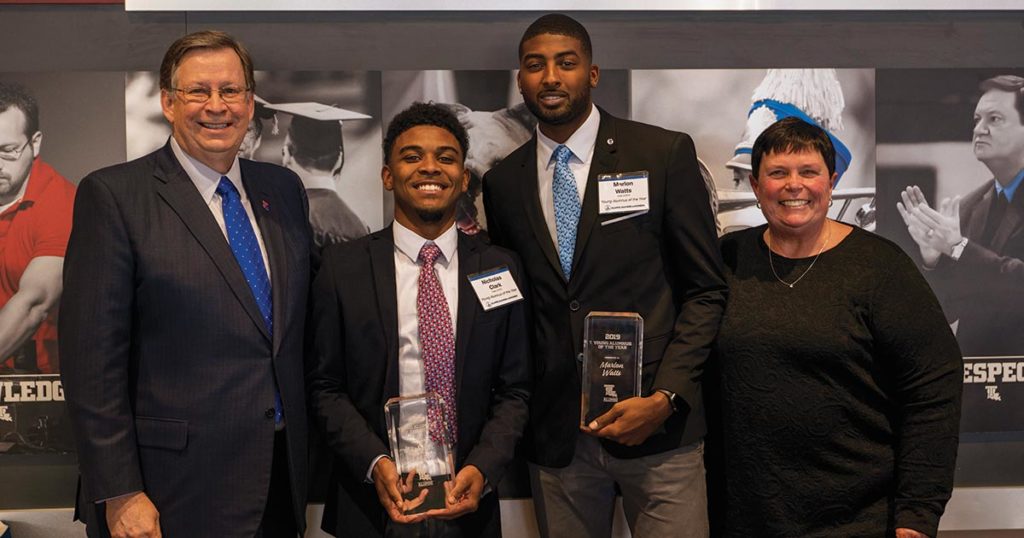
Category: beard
[578,105]
[430,215]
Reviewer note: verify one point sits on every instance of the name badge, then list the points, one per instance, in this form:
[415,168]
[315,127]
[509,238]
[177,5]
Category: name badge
[625,192]
[495,287]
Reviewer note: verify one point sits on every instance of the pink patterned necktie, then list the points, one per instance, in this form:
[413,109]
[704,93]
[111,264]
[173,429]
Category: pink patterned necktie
[437,344]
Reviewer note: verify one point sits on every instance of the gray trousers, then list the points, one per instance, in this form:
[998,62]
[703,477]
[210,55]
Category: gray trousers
[662,494]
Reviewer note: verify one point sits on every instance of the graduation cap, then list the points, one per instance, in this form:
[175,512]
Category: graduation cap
[315,127]
[813,95]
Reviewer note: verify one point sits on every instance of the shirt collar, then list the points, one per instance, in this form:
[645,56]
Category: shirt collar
[1010,189]
[205,178]
[581,142]
[318,181]
[409,242]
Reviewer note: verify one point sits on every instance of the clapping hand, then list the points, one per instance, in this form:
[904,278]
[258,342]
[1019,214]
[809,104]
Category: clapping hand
[935,232]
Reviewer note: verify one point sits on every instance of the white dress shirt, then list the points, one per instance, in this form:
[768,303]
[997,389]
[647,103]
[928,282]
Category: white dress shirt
[206,180]
[581,143]
[407,273]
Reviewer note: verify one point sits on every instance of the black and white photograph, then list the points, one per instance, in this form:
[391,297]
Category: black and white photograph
[724,111]
[54,128]
[489,105]
[950,159]
[322,125]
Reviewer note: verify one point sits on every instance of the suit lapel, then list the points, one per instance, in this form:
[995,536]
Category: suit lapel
[531,202]
[382,263]
[1010,224]
[469,263]
[604,162]
[976,221]
[260,199]
[181,195]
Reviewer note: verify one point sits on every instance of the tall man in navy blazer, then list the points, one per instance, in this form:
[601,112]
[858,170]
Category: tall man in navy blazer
[542,202]
[372,332]
[182,355]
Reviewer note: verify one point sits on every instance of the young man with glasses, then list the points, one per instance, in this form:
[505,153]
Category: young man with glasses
[35,221]
[183,318]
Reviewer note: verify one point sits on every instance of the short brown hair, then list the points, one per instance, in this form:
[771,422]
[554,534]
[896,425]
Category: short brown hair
[206,39]
[1009,84]
[793,135]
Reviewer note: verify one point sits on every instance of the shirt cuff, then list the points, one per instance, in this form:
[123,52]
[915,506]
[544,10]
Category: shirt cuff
[369,472]
[118,497]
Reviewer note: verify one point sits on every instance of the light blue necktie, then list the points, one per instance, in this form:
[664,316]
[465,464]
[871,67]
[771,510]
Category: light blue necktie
[247,252]
[567,207]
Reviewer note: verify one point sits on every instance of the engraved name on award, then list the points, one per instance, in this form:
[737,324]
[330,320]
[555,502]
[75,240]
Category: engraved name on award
[612,361]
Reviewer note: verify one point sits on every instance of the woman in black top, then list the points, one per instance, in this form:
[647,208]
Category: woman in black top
[840,379]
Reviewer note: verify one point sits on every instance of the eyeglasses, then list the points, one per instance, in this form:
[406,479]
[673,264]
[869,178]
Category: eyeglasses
[12,155]
[229,94]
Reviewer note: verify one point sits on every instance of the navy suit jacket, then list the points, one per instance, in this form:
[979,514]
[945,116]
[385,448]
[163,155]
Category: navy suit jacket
[168,368]
[664,265]
[353,371]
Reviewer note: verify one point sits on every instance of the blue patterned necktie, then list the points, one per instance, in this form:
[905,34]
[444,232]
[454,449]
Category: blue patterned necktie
[567,207]
[247,252]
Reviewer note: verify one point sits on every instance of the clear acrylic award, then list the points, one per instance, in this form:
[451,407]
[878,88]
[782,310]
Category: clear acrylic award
[612,361]
[421,449]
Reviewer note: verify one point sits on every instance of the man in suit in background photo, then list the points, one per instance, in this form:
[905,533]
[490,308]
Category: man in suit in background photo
[183,318]
[395,314]
[972,248]
[663,262]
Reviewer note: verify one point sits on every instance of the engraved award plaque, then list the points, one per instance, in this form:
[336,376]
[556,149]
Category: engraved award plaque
[421,449]
[612,361]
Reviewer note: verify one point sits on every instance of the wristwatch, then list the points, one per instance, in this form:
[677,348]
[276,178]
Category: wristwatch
[671,398]
[958,249]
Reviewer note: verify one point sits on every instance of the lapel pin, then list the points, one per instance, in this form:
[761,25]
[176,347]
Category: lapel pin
[611,141]
[266,205]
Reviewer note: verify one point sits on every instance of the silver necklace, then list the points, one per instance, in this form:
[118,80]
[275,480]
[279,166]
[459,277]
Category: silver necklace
[802,275]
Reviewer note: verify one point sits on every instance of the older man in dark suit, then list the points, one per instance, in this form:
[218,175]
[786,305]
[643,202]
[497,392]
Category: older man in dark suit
[182,322]
[395,313]
[973,247]
[660,261]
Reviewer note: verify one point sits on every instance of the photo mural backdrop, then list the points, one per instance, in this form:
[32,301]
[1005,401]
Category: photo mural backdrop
[80,128]
[901,127]
[940,132]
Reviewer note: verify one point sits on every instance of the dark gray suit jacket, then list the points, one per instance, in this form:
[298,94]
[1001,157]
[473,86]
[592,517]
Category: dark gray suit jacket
[985,288]
[167,365]
[664,265]
[353,371]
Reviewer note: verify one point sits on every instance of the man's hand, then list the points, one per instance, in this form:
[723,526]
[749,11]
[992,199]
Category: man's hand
[133,516]
[904,532]
[389,491]
[463,494]
[630,422]
[935,232]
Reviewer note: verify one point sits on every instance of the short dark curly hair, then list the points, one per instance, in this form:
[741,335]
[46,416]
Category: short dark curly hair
[425,114]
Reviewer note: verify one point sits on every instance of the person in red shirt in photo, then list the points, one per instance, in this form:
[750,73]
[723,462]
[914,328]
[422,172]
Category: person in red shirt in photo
[35,222]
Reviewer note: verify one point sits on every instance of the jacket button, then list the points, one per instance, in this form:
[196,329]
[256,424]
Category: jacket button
[269,413]
[574,305]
